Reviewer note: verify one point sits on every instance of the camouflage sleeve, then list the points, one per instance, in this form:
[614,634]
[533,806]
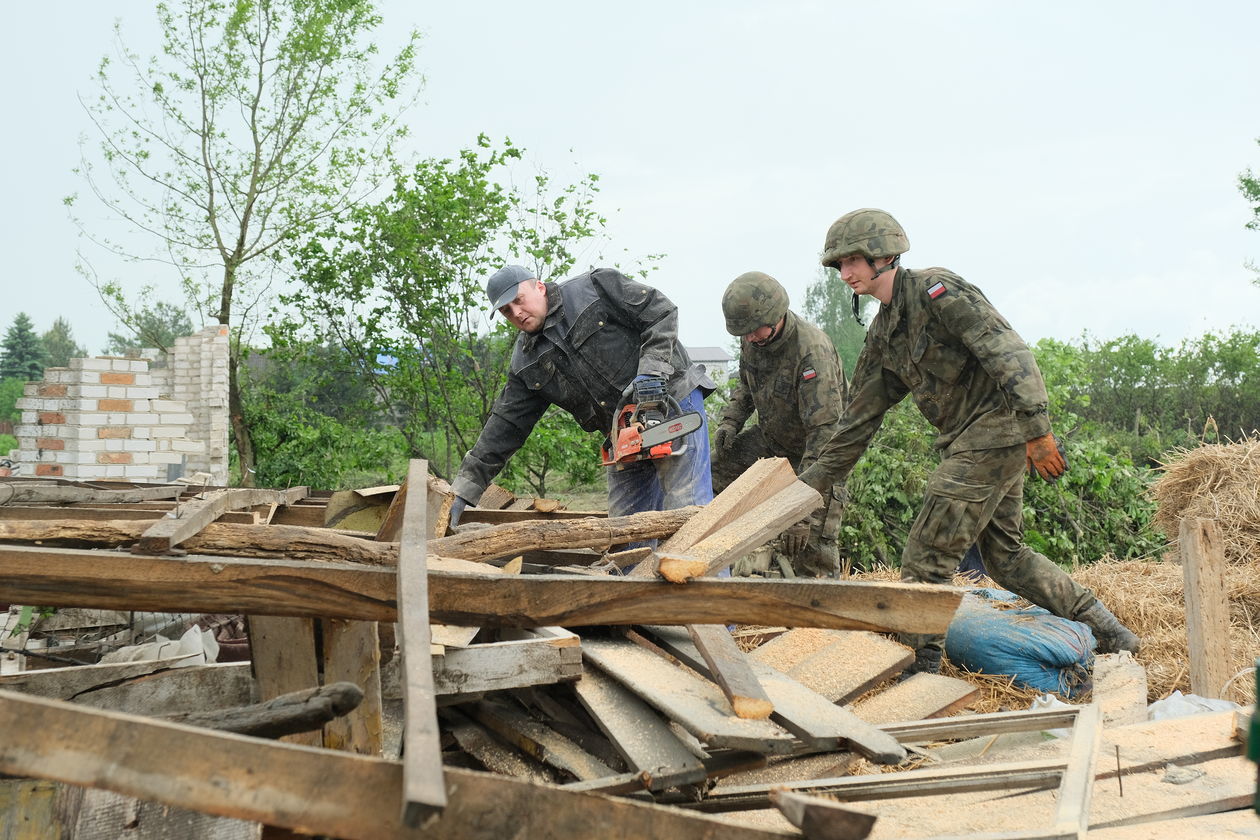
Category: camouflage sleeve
[740,406]
[874,392]
[646,310]
[516,410]
[819,400]
[966,312]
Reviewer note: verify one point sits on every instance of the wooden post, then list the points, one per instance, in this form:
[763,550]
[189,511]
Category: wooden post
[283,654]
[1207,605]
[352,653]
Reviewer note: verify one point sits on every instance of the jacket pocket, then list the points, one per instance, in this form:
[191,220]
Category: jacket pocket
[942,361]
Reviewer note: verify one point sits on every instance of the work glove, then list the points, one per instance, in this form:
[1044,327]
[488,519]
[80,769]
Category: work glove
[795,538]
[648,389]
[457,509]
[1045,456]
[725,437]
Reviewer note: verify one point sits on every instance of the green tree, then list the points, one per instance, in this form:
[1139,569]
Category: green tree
[1249,186]
[147,325]
[828,305]
[22,356]
[11,389]
[60,344]
[259,121]
[398,285]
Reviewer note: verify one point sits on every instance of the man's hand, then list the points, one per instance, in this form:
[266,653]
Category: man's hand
[647,388]
[795,538]
[1045,455]
[725,437]
[457,509]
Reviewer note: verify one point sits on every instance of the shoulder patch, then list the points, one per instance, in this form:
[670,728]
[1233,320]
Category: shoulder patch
[808,374]
[936,290]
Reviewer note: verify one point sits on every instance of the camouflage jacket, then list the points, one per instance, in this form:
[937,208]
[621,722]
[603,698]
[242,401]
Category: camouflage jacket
[797,386]
[602,329]
[970,373]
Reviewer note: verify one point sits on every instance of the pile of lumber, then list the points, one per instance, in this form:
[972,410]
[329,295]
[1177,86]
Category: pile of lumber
[549,682]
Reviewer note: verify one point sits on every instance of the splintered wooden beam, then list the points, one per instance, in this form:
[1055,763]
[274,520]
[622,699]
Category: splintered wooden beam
[312,791]
[14,492]
[821,819]
[502,540]
[298,711]
[729,669]
[423,789]
[106,580]
[188,519]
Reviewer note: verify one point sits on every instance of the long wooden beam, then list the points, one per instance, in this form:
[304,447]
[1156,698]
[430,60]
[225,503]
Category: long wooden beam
[110,580]
[14,492]
[312,791]
[188,519]
[503,540]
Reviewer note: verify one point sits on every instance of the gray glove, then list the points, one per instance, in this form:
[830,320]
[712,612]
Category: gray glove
[725,437]
[795,538]
[457,509]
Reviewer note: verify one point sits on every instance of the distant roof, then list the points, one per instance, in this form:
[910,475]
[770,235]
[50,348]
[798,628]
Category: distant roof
[709,354]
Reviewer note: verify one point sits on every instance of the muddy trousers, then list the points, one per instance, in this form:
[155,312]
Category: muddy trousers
[978,497]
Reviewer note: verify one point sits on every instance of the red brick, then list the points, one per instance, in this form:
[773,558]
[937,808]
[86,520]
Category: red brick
[114,378]
[50,390]
[113,432]
[51,418]
[48,469]
[114,405]
[113,457]
[50,443]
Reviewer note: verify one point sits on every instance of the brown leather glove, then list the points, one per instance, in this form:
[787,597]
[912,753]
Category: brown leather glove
[1046,457]
[795,538]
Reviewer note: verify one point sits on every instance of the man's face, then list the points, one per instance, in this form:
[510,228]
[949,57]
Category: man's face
[763,335]
[528,309]
[857,273]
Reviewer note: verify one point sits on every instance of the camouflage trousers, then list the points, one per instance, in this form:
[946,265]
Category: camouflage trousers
[821,556]
[978,497]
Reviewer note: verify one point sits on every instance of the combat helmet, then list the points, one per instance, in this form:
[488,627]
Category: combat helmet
[869,232]
[753,300]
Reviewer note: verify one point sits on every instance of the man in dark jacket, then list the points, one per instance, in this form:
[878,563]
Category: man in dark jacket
[588,345]
[938,338]
[791,376]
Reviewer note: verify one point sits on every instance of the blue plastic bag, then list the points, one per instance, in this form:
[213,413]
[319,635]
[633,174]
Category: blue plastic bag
[1040,650]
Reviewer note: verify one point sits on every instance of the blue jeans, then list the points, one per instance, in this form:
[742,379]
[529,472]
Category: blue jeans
[666,483]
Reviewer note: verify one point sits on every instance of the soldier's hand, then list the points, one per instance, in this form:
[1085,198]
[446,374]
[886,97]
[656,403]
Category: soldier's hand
[795,538]
[1045,456]
[725,437]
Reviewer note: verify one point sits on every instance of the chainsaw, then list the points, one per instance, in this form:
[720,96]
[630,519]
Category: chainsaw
[648,430]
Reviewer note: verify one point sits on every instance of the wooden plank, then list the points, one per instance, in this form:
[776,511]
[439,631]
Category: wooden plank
[694,703]
[423,789]
[352,653]
[283,657]
[919,697]
[641,736]
[13,492]
[102,815]
[188,519]
[729,669]
[822,725]
[507,517]
[753,529]
[497,666]
[1207,605]
[840,665]
[391,527]
[1077,784]
[313,791]
[210,584]
[438,498]
[68,683]
[509,540]
[821,819]
[475,740]
[495,497]
[28,810]
[1235,825]
[539,741]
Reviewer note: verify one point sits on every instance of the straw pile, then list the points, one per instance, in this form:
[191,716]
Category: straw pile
[1216,481]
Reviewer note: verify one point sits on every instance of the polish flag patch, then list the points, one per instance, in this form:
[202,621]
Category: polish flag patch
[808,374]
[936,290]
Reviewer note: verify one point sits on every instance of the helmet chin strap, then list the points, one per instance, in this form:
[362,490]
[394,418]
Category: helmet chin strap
[774,333]
[892,266]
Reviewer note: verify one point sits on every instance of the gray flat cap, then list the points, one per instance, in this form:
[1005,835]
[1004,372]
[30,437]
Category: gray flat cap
[502,285]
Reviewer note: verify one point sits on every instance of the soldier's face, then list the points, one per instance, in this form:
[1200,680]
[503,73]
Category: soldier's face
[765,334]
[857,273]
[528,309]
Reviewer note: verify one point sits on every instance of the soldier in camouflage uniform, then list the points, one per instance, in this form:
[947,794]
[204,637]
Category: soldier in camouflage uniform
[938,338]
[790,374]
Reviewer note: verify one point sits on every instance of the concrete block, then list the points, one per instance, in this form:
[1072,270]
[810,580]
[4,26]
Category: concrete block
[115,471]
[97,364]
[27,403]
[142,432]
[179,419]
[117,392]
[28,417]
[139,365]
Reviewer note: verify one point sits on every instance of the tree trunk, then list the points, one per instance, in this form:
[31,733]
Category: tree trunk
[240,429]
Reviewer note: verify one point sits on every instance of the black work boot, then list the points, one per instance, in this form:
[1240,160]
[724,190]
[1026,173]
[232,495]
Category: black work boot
[1112,636]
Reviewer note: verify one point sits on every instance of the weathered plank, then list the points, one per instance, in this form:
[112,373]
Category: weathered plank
[495,756]
[312,791]
[188,519]
[1207,605]
[821,819]
[423,789]
[639,734]
[840,665]
[68,683]
[75,577]
[539,741]
[506,517]
[917,698]
[352,654]
[822,725]
[550,655]
[16,492]
[283,657]
[300,711]
[511,539]
[728,667]
[694,703]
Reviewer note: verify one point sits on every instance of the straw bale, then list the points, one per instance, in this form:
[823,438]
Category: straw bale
[1214,481]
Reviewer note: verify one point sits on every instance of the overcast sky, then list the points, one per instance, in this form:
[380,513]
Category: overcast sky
[1076,160]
